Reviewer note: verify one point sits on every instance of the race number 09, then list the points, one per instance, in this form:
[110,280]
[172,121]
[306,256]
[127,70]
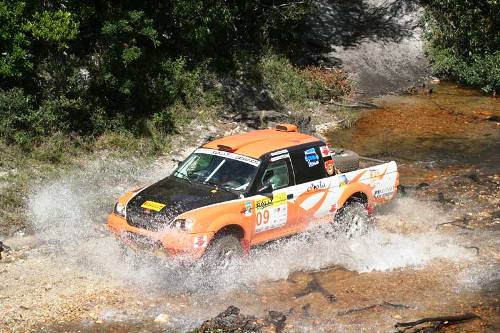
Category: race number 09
[262,217]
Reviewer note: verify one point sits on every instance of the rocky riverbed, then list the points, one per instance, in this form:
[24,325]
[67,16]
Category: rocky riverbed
[434,251]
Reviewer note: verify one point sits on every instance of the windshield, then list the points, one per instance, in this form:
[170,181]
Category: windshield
[223,169]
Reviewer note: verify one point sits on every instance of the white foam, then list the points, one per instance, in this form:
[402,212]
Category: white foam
[69,213]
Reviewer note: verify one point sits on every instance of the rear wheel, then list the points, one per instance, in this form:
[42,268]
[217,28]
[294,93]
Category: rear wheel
[222,251]
[353,219]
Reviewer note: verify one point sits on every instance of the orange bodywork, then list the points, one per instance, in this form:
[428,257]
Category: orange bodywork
[288,211]
[257,143]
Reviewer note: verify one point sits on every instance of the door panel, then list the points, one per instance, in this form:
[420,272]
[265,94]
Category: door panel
[313,197]
[275,215]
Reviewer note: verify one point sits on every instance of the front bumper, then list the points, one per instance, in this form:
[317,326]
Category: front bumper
[175,243]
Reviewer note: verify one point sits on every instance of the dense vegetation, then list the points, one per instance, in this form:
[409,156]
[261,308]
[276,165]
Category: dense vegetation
[85,67]
[464,40]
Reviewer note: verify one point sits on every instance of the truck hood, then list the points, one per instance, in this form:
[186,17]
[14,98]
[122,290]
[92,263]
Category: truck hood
[158,204]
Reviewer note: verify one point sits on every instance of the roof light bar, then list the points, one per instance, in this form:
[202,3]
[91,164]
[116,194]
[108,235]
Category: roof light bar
[286,128]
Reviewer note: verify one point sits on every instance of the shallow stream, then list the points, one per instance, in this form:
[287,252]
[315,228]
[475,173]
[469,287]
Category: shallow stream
[322,284]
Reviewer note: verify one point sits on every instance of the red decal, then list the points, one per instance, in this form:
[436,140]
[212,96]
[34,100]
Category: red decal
[325,151]
[333,209]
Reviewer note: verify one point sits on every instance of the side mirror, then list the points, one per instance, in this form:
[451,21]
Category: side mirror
[266,190]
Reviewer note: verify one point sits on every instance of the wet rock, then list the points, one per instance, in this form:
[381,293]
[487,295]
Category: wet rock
[3,248]
[403,190]
[422,186]
[276,318]
[441,198]
[474,177]
[231,320]
[305,309]
[162,318]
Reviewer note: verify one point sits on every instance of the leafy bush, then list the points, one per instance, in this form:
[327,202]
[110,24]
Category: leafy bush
[16,116]
[335,82]
[90,67]
[463,40]
[289,84]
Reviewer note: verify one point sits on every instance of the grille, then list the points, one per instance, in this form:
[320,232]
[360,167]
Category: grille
[145,221]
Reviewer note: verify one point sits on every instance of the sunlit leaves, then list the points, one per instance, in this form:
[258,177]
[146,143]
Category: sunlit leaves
[14,44]
[57,27]
[464,40]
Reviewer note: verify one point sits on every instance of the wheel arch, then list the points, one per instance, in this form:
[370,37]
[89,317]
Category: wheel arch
[236,230]
[230,229]
[358,196]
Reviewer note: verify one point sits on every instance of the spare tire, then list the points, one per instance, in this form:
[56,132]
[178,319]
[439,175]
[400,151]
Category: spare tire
[344,160]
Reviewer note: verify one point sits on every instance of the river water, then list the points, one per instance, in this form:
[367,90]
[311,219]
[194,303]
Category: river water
[447,148]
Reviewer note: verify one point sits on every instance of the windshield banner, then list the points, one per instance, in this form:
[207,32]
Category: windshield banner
[237,157]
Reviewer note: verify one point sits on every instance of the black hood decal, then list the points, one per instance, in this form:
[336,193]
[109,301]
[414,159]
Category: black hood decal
[177,195]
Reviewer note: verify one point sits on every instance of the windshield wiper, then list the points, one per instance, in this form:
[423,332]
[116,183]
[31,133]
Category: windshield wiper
[182,176]
[217,186]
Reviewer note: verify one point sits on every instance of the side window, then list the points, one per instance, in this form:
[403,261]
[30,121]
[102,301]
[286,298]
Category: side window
[281,175]
[307,165]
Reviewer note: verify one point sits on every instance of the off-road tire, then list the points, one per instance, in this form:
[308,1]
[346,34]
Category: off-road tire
[353,219]
[222,251]
[345,160]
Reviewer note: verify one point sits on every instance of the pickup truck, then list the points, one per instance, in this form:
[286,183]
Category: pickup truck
[240,191]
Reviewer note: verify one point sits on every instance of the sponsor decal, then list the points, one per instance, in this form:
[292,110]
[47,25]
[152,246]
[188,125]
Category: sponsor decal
[271,212]
[152,205]
[383,192]
[226,154]
[373,174]
[329,167]
[333,208]
[279,152]
[248,209]
[316,186]
[325,151]
[311,157]
[200,242]
[276,200]
[344,181]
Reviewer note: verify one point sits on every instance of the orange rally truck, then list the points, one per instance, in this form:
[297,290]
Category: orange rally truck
[243,190]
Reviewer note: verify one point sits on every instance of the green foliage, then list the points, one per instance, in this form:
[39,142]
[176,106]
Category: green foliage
[290,85]
[85,68]
[14,44]
[463,40]
[56,27]
[16,114]
[181,83]
[287,84]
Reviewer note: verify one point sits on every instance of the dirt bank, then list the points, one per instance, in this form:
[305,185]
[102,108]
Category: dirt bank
[382,48]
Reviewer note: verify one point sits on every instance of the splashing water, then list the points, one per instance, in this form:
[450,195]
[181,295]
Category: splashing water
[69,213]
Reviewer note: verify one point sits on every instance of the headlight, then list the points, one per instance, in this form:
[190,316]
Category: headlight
[120,209]
[183,224]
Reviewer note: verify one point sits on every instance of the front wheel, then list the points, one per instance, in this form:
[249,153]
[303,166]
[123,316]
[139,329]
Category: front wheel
[222,251]
[353,219]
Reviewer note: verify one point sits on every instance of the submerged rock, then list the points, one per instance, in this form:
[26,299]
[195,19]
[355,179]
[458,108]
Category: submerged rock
[231,320]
